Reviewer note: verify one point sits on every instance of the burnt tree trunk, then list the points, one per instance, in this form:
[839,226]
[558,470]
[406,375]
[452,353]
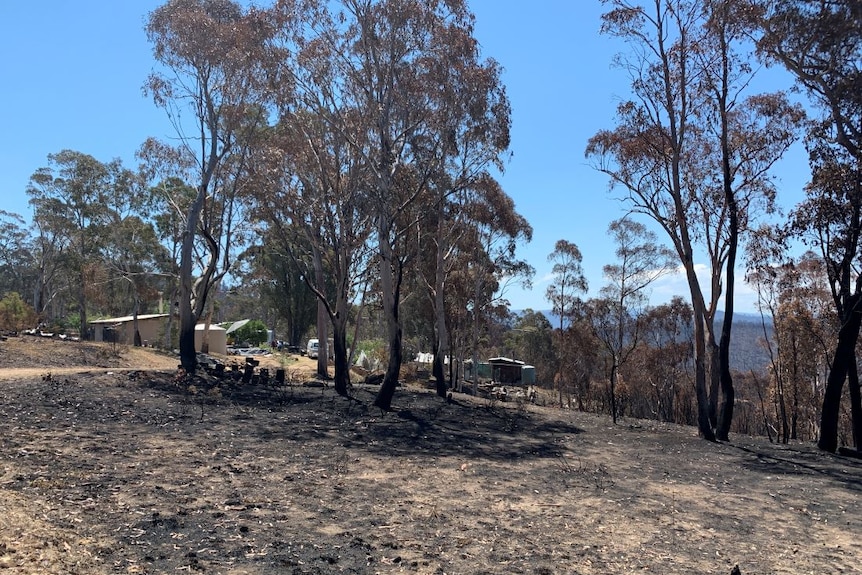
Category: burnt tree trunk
[855,403]
[391,273]
[842,361]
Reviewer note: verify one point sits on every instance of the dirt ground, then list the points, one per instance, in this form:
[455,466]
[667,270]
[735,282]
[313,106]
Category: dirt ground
[109,465]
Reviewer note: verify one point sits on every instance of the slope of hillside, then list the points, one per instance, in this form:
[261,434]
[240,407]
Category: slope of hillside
[129,472]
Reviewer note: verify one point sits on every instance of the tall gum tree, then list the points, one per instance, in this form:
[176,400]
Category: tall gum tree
[313,210]
[748,135]
[693,154]
[564,294]
[830,220]
[209,52]
[472,135]
[646,154]
[69,199]
[820,44]
[388,61]
[16,255]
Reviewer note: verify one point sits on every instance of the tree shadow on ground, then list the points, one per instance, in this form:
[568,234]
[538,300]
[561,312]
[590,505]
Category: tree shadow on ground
[420,424]
[845,471]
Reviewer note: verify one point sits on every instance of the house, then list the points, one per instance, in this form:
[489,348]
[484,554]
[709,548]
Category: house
[152,329]
[122,329]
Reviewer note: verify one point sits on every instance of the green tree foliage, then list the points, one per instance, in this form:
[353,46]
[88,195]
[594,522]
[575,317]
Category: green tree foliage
[17,255]
[253,333]
[15,314]
[70,199]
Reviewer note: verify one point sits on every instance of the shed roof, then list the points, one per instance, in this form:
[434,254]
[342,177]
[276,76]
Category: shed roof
[213,327]
[128,318]
[504,361]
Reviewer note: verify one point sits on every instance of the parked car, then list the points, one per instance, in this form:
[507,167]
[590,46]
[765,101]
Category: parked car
[313,348]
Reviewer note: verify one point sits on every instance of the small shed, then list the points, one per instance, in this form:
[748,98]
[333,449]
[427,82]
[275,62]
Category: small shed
[483,370]
[122,329]
[507,370]
[217,338]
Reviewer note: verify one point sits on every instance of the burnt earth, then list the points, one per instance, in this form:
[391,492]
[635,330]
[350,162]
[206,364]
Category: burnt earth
[136,472]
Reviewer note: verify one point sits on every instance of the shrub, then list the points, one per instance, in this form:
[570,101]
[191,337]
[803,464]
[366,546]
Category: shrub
[254,333]
[15,314]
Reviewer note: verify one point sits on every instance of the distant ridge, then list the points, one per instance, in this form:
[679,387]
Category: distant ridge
[747,350]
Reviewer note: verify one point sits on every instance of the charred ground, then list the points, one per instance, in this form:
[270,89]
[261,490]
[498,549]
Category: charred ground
[110,464]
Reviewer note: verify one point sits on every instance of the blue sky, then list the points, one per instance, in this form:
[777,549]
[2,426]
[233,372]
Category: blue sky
[73,71]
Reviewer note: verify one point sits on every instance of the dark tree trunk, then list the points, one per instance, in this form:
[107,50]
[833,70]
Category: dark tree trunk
[725,416]
[323,319]
[438,371]
[855,403]
[188,355]
[393,369]
[339,343]
[137,336]
[842,361]
[391,273]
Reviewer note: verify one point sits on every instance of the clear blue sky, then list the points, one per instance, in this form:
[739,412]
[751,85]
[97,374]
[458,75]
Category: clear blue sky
[72,75]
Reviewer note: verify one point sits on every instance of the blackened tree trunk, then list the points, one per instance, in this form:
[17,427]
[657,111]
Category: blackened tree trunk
[438,371]
[441,332]
[322,315]
[339,343]
[137,337]
[188,318]
[855,403]
[725,415]
[390,286]
[842,361]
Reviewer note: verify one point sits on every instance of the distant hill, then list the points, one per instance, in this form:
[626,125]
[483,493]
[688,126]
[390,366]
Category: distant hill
[747,351]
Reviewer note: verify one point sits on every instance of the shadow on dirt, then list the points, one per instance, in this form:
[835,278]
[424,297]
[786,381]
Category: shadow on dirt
[421,424]
[845,471]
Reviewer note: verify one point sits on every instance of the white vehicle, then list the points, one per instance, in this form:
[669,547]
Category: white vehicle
[313,348]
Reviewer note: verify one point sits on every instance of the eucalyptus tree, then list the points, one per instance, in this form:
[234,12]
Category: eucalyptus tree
[17,270]
[210,54]
[475,231]
[69,199]
[564,293]
[48,243]
[133,260]
[375,71]
[820,43]
[169,201]
[491,265]
[692,153]
[663,362]
[795,298]
[616,316]
[752,133]
[470,137]
[269,275]
[830,220]
[314,208]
